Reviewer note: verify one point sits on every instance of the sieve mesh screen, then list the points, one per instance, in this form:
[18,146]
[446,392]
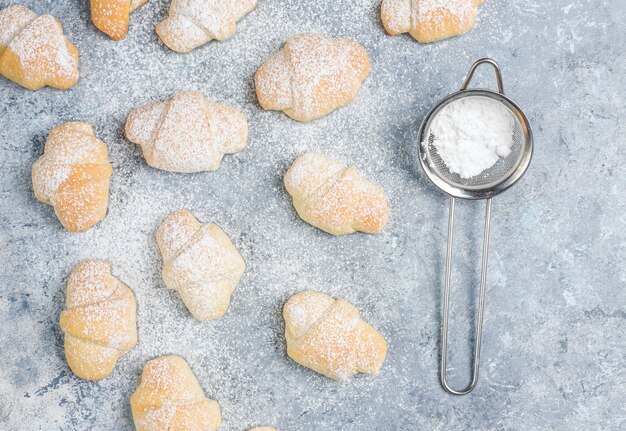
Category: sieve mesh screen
[497,173]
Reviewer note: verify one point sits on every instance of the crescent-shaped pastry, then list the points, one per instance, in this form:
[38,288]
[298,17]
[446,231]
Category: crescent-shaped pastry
[112,16]
[199,262]
[187,133]
[334,197]
[99,320]
[191,23]
[34,52]
[170,398]
[328,336]
[312,76]
[429,20]
[73,175]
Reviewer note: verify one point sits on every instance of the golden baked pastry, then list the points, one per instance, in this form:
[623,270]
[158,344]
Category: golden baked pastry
[191,23]
[328,336]
[429,20]
[34,52]
[99,320]
[73,175]
[334,197]
[170,398]
[312,76]
[112,16]
[187,133]
[200,263]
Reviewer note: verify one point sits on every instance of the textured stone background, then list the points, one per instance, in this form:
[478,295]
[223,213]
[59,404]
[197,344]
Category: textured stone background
[554,342]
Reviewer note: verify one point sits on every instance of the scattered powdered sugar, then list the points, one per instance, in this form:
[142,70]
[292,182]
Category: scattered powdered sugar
[472,133]
[240,359]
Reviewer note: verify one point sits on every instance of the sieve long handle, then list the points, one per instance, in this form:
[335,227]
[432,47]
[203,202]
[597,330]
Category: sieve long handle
[493,64]
[446,302]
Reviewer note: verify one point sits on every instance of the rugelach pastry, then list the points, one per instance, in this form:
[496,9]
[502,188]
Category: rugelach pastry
[34,52]
[73,175]
[311,76]
[334,197]
[187,133]
[328,336]
[199,262]
[429,20]
[99,320]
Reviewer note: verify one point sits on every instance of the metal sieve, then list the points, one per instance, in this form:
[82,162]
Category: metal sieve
[502,175]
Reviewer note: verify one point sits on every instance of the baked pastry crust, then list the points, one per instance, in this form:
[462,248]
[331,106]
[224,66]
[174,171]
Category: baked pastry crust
[112,16]
[200,263]
[170,398]
[187,133]
[99,320]
[429,20]
[311,76]
[334,197]
[192,23]
[73,175]
[34,52]
[328,336]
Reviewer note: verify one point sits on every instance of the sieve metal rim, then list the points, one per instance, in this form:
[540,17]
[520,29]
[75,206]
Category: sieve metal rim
[483,191]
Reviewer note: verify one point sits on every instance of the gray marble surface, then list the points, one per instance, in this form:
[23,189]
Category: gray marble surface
[554,350]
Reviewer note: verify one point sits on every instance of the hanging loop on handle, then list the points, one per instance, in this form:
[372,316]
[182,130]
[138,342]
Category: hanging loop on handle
[470,74]
[446,302]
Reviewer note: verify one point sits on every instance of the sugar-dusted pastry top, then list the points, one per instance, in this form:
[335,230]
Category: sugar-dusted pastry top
[334,197]
[73,175]
[170,398]
[34,52]
[429,20]
[187,133]
[112,16]
[312,76]
[328,336]
[99,320]
[191,23]
[199,262]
